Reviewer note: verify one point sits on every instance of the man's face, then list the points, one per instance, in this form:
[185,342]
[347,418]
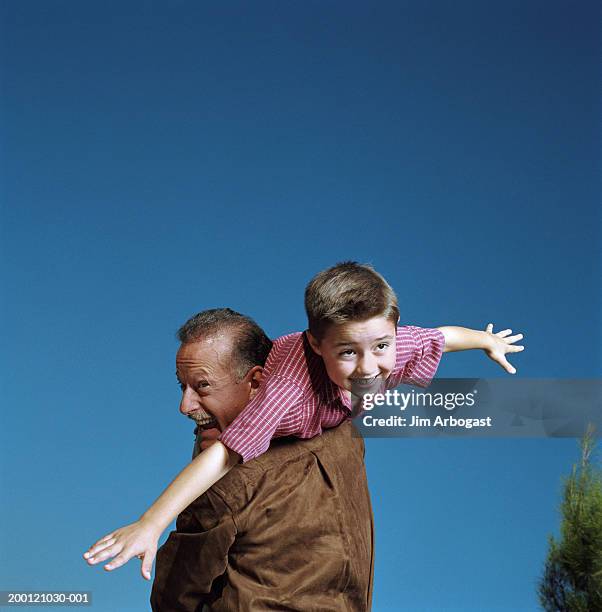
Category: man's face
[358,354]
[211,394]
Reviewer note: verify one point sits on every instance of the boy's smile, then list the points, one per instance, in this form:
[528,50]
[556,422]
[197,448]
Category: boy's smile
[357,354]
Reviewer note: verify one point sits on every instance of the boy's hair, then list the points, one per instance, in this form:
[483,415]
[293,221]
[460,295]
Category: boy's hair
[250,345]
[348,291]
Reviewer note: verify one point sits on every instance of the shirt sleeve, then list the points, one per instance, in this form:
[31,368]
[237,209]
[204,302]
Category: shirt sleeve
[251,431]
[418,353]
[194,556]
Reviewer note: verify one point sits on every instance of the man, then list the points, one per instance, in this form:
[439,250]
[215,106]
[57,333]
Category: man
[290,530]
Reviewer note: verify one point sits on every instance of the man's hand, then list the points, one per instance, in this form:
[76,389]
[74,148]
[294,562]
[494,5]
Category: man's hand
[498,345]
[140,539]
[209,437]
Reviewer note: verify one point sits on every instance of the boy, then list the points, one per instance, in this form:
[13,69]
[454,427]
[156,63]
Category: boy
[352,344]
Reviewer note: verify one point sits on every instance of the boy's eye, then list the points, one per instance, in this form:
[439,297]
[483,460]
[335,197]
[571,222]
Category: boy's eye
[382,346]
[347,352]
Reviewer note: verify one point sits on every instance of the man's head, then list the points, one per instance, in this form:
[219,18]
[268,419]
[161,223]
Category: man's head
[219,365]
[352,316]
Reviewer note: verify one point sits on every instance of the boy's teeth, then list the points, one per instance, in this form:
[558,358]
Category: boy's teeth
[366,381]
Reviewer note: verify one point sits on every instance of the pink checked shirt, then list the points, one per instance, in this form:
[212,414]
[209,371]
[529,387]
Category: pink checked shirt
[296,397]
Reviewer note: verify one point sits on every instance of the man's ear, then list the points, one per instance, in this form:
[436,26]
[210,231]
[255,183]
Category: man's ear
[314,343]
[254,377]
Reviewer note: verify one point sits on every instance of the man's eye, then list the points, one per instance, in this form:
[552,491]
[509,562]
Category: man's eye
[202,384]
[382,346]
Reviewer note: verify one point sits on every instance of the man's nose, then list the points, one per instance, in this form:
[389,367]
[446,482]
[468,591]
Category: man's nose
[188,403]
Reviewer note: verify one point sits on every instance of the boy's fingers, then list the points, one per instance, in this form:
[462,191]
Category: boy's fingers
[489,328]
[109,536]
[507,366]
[512,339]
[515,348]
[118,561]
[147,565]
[92,552]
[106,554]
[504,333]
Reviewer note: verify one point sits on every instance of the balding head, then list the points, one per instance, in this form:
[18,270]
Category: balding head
[247,343]
[219,366]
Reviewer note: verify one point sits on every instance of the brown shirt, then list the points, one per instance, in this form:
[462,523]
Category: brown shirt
[290,530]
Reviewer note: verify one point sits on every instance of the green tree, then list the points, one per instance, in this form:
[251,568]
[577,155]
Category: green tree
[572,578]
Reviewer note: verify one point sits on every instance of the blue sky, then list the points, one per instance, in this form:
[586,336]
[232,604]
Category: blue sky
[162,158]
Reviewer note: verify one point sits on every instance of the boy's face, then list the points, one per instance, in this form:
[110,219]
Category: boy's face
[358,353]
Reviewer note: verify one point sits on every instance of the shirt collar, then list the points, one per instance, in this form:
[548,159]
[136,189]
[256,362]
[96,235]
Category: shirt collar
[334,393]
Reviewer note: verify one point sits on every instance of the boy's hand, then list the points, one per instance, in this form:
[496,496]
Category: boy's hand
[136,540]
[501,343]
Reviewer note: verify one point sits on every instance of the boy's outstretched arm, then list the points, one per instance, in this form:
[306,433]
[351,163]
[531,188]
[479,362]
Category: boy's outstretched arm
[496,346]
[140,538]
